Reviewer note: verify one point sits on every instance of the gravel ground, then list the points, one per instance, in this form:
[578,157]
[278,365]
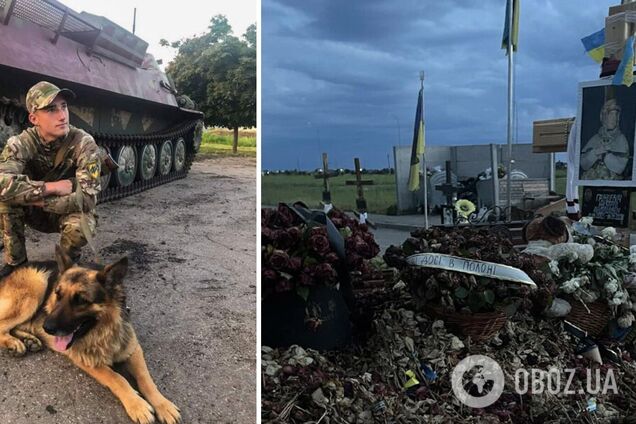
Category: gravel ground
[192,293]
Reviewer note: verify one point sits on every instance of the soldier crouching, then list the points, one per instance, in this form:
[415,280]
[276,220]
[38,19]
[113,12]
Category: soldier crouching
[49,178]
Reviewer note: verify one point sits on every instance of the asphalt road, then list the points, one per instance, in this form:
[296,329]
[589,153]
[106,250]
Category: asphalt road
[192,293]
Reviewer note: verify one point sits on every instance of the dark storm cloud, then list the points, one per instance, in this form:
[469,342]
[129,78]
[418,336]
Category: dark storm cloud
[342,77]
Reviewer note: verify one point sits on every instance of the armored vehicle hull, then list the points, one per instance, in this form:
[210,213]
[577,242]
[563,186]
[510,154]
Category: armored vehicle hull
[123,98]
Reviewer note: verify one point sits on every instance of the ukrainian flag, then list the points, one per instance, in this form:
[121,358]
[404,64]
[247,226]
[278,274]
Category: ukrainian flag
[625,72]
[595,45]
[418,144]
[515,26]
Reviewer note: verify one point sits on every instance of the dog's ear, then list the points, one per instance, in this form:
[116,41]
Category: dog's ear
[64,261]
[113,274]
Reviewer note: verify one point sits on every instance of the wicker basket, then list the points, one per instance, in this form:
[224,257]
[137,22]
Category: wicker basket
[593,321]
[479,326]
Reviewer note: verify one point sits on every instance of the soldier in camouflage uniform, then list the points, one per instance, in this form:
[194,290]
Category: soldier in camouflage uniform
[49,178]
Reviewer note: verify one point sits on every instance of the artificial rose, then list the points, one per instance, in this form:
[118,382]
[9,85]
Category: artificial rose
[295,234]
[295,263]
[285,216]
[305,279]
[267,235]
[318,241]
[324,272]
[279,260]
[284,285]
[269,274]
[282,239]
[331,258]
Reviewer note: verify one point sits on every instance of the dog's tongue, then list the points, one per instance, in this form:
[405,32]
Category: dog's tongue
[61,343]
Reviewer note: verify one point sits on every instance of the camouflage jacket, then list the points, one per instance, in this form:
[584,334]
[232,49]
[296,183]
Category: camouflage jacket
[26,163]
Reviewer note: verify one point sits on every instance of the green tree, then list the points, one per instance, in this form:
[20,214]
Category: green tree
[218,72]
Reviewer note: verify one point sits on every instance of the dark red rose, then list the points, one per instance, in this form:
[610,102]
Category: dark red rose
[324,272]
[331,258]
[282,240]
[318,242]
[295,234]
[285,216]
[295,263]
[267,216]
[266,235]
[269,274]
[305,279]
[337,222]
[279,260]
[354,260]
[284,285]
[362,249]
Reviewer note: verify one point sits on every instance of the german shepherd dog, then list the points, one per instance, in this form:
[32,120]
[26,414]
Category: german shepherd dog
[81,313]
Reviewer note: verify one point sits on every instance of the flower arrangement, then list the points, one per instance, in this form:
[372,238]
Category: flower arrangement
[296,254]
[458,291]
[596,269]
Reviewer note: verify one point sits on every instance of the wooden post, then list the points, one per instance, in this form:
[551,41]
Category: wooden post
[361,203]
[326,193]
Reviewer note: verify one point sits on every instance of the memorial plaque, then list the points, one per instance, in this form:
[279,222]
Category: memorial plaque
[609,206]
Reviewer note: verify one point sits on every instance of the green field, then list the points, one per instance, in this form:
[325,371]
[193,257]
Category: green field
[218,142]
[308,189]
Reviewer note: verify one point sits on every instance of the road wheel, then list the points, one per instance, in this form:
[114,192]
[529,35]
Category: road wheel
[127,160]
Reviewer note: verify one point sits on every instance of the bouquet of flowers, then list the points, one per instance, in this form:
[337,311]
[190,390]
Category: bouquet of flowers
[360,245]
[458,291]
[296,254]
[594,268]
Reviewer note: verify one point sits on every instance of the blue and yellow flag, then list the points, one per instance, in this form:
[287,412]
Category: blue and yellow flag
[418,144]
[595,45]
[515,25]
[625,72]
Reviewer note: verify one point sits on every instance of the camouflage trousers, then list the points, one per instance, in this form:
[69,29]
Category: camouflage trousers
[13,220]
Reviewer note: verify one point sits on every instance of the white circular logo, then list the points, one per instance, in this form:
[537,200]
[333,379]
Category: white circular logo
[482,376]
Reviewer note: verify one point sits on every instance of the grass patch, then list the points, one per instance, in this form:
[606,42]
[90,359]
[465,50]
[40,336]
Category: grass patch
[308,189]
[218,142]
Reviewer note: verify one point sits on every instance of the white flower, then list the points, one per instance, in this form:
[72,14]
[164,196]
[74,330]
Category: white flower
[572,252]
[632,258]
[626,320]
[571,286]
[591,241]
[554,268]
[618,299]
[608,232]
[586,220]
[611,286]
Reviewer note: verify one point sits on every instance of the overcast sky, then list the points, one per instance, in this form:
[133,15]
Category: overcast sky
[170,20]
[342,76]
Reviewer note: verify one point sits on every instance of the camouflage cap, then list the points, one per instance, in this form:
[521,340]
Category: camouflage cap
[43,93]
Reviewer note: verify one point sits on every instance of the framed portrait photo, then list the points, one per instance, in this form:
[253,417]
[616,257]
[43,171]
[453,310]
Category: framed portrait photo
[605,134]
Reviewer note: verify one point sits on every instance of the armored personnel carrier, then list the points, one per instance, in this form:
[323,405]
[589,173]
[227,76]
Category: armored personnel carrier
[123,98]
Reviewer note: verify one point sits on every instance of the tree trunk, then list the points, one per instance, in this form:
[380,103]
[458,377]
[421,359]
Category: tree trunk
[235,144]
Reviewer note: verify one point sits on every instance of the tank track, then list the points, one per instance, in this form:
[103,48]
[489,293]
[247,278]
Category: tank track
[114,141]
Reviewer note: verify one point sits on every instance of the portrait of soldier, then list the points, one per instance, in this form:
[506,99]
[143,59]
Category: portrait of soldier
[606,154]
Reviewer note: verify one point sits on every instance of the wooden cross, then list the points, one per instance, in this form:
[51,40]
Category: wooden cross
[361,202]
[326,193]
[449,189]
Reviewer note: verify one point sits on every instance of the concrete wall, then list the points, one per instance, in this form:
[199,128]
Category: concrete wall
[466,162]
